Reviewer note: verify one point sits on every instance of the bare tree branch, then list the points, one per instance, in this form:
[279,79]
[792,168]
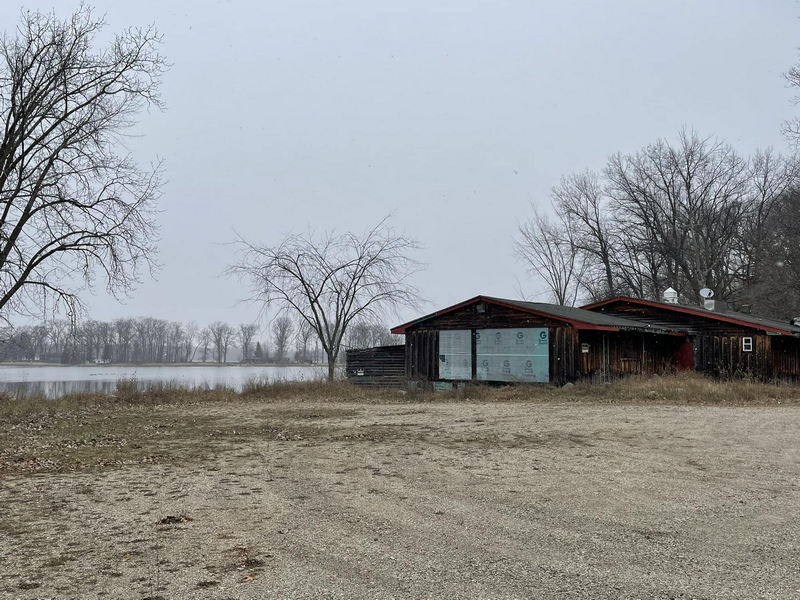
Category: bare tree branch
[71,209]
[328,282]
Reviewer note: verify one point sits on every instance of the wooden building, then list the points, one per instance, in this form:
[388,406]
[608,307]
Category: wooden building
[382,366]
[719,342]
[497,340]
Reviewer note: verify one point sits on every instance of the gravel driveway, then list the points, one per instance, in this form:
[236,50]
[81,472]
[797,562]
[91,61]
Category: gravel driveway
[444,500]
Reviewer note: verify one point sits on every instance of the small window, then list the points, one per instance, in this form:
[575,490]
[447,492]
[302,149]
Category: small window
[747,344]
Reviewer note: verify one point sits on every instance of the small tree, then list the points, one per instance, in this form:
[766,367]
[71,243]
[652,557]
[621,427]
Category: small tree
[330,281]
[282,328]
[247,332]
[259,353]
[222,335]
[303,339]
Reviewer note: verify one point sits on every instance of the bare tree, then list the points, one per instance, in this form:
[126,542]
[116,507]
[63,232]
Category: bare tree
[549,250]
[70,207]
[222,335]
[282,328]
[189,347]
[364,334]
[330,281]
[303,338]
[791,128]
[687,202]
[688,215]
[204,341]
[581,203]
[247,331]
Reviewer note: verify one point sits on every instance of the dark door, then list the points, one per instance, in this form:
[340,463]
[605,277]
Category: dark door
[684,356]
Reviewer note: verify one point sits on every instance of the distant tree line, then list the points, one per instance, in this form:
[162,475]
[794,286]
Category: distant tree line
[149,340]
[688,215]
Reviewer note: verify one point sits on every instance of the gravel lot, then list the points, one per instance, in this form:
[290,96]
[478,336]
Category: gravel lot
[401,500]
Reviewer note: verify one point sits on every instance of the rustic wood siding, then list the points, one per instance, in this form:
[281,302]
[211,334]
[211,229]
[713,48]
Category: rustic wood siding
[422,341]
[422,349]
[612,354]
[383,366]
[721,355]
[718,344]
[564,354]
[494,316]
[785,357]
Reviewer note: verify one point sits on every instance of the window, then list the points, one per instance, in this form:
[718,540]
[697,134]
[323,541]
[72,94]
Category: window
[747,344]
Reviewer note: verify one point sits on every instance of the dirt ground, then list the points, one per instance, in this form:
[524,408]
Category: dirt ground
[402,500]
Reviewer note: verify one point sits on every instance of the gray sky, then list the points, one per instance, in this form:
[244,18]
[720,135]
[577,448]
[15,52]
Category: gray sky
[454,116]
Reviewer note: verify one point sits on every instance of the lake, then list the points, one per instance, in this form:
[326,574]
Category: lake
[55,381]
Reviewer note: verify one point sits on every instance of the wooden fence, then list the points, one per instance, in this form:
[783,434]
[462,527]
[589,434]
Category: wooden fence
[382,366]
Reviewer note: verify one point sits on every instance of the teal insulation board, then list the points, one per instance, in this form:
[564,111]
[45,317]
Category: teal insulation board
[513,354]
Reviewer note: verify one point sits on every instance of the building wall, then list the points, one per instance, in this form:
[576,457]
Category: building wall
[422,341]
[383,366]
[613,354]
[718,347]
[609,353]
[785,358]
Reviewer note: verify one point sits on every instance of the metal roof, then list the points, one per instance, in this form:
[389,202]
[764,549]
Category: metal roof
[727,316]
[577,317]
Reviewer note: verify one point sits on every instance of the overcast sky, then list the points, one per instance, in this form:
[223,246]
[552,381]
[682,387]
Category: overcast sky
[453,116]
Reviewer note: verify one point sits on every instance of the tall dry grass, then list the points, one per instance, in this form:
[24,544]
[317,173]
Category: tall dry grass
[676,389]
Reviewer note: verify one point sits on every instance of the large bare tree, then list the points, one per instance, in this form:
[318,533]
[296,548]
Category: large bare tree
[331,280]
[687,201]
[72,207]
[687,214]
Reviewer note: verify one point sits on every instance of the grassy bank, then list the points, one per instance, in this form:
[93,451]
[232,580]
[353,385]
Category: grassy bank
[167,424]
[676,389]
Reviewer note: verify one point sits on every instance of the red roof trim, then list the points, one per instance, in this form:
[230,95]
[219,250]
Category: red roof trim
[401,329]
[687,310]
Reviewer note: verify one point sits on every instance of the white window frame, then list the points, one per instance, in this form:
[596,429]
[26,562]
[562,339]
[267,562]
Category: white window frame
[747,344]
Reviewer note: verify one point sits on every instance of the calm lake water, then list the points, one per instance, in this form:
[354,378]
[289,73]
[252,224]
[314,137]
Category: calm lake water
[54,381]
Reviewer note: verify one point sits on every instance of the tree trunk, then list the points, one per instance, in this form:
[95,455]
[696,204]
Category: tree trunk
[331,367]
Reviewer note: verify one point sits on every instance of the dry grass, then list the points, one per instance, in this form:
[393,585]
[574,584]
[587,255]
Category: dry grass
[83,432]
[685,388]
[675,389]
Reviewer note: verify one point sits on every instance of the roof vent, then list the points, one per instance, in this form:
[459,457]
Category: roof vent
[670,296]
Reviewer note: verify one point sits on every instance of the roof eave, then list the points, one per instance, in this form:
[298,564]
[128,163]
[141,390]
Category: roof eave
[691,311]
